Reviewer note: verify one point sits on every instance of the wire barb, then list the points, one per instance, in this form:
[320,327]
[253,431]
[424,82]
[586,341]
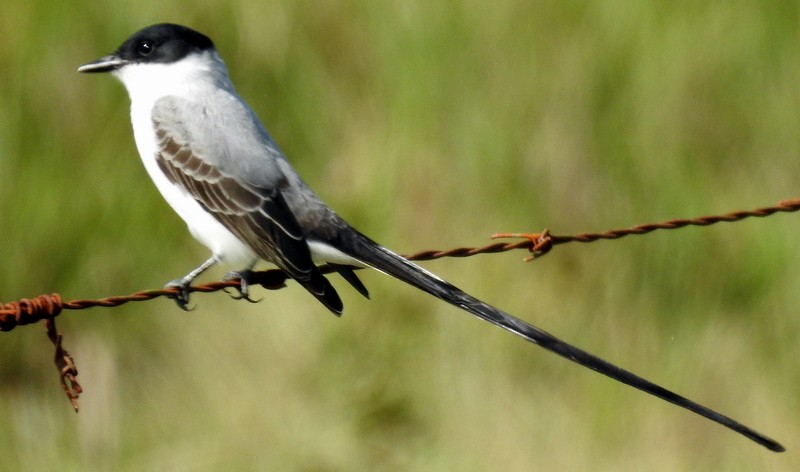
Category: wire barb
[45,307]
[28,311]
[540,243]
[48,307]
[65,364]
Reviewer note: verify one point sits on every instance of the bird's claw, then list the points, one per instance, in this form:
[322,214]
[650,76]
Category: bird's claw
[244,285]
[181,295]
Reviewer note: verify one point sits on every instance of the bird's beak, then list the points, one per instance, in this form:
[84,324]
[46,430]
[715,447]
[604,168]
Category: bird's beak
[104,64]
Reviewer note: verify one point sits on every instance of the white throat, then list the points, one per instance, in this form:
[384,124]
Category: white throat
[194,78]
[146,83]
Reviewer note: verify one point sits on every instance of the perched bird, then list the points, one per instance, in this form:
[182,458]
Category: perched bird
[220,170]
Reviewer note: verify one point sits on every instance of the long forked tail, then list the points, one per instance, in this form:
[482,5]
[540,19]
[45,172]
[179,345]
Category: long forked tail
[372,254]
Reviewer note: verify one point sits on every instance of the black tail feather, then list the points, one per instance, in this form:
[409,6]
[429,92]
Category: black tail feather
[380,258]
[319,286]
[350,276]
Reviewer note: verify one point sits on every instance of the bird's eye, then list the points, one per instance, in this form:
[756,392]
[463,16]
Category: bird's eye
[144,48]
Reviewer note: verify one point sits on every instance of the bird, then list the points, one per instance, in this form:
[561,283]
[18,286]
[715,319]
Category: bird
[220,170]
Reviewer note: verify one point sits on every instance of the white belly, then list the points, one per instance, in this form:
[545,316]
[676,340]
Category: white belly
[204,227]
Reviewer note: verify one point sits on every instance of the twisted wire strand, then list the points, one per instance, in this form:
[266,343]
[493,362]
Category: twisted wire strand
[27,311]
[47,307]
[541,243]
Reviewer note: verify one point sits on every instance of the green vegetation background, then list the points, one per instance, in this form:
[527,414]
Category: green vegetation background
[427,125]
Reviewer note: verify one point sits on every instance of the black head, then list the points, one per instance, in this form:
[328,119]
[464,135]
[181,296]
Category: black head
[162,43]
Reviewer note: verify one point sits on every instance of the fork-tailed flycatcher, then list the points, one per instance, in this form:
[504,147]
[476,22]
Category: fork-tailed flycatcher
[220,170]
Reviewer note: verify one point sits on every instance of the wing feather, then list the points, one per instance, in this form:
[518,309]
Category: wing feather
[258,215]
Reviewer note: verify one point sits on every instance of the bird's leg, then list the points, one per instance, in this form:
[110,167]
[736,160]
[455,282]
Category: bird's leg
[245,277]
[183,284]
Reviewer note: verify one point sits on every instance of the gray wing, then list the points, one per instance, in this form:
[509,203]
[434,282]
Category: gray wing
[236,179]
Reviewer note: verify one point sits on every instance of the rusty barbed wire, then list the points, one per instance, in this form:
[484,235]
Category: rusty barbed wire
[48,307]
[541,243]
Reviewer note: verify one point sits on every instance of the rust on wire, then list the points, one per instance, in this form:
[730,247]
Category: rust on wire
[45,307]
[67,371]
[540,243]
[48,307]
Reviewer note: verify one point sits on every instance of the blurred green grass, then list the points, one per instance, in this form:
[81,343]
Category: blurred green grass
[427,126]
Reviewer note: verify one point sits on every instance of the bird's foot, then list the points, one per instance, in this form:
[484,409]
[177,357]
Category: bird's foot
[182,290]
[244,277]
[183,285]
